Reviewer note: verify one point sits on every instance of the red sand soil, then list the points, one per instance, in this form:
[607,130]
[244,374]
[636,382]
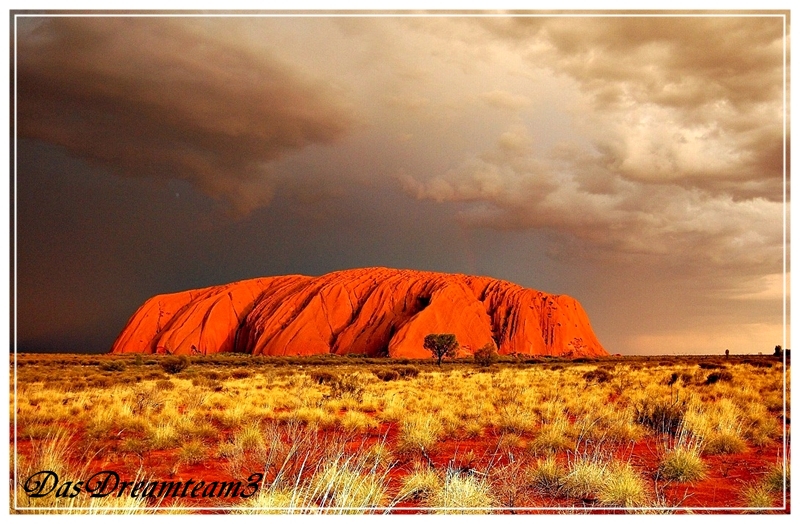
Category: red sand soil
[722,488]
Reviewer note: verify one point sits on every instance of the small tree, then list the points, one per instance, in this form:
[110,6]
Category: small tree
[727,353]
[486,355]
[441,346]
[778,351]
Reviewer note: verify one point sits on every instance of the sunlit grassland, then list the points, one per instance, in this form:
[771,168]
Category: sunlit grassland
[369,435]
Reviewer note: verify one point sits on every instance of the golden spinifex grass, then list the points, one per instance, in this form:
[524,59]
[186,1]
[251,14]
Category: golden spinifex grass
[369,435]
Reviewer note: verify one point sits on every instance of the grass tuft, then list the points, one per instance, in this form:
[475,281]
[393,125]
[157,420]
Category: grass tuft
[546,475]
[419,433]
[420,484]
[682,465]
[758,497]
[192,452]
[585,479]
[460,493]
[623,487]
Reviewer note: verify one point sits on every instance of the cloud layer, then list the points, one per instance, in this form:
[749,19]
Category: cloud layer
[675,146]
[171,98]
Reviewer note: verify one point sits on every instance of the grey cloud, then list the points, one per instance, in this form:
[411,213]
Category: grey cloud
[572,192]
[681,61]
[172,98]
[698,97]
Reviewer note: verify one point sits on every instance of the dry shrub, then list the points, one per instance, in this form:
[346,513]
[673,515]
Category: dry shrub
[347,386]
[164,385]
[387,375]
[719,376]
[322,377]
[683,377]
[757,363]
[356,421]
[514,418]
[112,365]
[552,437]
[342,484]
[775,479]
[597,375]
[758,498]
[486,356]
[34,431]
[192,452]
[711,365]
[510,440]
[407,371]
[379,454]
[99,382]
[240,373]
[509,483]
[661,415]
[174,365]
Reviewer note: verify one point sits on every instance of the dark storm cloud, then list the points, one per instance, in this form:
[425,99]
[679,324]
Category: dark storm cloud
[171,98]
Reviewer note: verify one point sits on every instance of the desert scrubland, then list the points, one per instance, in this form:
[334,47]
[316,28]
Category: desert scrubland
[234,433]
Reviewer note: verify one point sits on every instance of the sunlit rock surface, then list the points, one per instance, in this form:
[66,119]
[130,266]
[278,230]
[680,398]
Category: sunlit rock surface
[372,311]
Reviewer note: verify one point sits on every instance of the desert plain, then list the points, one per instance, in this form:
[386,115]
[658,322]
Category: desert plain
[354,434]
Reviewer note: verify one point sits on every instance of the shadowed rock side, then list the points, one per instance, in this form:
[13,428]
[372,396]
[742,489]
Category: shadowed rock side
[374,312]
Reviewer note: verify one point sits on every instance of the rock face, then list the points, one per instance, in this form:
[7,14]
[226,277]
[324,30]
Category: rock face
[373,311]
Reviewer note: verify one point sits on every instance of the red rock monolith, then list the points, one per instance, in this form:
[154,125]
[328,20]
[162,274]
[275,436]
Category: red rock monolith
[371,311]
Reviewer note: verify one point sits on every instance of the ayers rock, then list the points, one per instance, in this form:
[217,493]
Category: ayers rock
[373,311]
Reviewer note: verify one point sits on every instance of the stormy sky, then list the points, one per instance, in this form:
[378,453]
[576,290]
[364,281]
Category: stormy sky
[635,163]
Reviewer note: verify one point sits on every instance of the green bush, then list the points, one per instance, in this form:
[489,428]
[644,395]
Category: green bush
[442,345]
